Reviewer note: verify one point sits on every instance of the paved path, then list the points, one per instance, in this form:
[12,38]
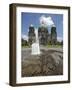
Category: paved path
[49,62]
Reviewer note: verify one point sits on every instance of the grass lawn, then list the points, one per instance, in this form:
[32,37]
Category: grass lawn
[47,46]
[54,46]
[26,46]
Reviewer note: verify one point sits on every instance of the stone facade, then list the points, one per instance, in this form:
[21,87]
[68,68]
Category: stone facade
[31,35]
[43,35]
[53,35]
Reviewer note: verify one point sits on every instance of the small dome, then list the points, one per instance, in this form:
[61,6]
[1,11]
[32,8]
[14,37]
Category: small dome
[53,25]
[31,25]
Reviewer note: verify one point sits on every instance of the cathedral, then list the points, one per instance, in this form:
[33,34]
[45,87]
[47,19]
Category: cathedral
[44,36]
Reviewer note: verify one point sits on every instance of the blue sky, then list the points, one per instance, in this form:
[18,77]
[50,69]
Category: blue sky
[34,18]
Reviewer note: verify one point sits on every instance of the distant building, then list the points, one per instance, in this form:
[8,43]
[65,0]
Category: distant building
[43,35]
[53,35]
[31,34]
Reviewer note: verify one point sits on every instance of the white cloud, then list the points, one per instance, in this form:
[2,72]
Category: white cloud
[25,37]
[46,21]
[59,39]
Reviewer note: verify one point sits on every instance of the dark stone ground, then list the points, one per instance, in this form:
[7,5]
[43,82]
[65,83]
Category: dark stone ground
[49,62]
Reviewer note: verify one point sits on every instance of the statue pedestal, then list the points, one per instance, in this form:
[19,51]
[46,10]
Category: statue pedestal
[35,49]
